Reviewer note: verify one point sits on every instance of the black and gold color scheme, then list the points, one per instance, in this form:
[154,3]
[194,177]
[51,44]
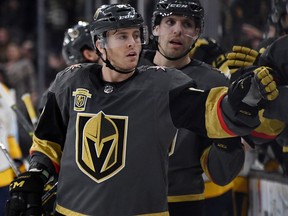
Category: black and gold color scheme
[118,144]
[101,145]
[192,154]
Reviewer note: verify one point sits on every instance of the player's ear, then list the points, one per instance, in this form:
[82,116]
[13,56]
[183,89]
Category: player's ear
[99,45]
[88,55]
[155,31]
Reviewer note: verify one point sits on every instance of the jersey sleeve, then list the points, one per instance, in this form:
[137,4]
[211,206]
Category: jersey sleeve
[207,113]
[49,136]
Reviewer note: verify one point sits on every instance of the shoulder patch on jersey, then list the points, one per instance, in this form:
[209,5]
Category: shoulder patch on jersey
[73,67]
[157,68]
[195,89]
[81,95]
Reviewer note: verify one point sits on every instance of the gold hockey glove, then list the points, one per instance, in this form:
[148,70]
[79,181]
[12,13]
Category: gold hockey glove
[241,57]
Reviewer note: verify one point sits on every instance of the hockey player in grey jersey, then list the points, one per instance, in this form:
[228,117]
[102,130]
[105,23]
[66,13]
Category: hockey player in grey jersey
[177,24]
[106,130]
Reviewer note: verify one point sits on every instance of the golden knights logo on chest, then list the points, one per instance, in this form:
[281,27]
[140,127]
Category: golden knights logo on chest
[80,98]
[101,144]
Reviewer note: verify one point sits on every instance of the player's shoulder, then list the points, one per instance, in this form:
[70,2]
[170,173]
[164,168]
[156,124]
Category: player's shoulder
[163,76]
[147,57]
[156,70]
[74,69]
[72,74]
[204,66]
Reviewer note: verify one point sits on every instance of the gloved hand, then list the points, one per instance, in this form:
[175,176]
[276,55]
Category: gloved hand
[241,57]
[250,91]
[209,51]
[25,194]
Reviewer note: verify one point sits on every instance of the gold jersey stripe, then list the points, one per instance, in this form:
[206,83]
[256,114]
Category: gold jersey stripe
[65,211]
[50,149]
[214,122]
[203,161]
[185,198]
[240,184]
[213,190]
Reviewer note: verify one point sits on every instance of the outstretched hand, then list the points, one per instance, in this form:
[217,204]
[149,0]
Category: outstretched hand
[252,90]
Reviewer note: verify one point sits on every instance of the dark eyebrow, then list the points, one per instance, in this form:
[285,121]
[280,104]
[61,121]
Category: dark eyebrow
[125,32]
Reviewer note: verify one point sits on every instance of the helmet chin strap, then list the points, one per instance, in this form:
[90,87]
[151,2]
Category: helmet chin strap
[109,65]
[179,57]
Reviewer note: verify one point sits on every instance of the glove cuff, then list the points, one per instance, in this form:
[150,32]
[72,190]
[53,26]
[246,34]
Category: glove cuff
[31,182]
[249,118]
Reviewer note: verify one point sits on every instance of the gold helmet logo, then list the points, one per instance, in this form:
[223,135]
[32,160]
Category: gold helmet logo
[101,145]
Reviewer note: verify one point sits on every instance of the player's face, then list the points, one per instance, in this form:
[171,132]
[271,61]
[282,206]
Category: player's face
[123,47]
[284,21]
[176,34]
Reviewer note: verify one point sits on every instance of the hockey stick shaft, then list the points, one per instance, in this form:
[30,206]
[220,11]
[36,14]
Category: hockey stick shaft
[26,98]
[9,159]
[20,117]
[47,196]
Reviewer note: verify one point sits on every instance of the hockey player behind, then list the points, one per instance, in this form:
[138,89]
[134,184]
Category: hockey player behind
[78,46]
[177,25]
[106,130]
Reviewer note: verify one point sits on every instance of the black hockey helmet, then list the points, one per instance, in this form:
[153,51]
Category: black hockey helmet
[115,16]
[75,40]
[275,56]
[189,8]
[279,10]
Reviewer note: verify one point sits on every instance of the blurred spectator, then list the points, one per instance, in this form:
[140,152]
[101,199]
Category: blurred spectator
[20,72]
[56,63]
[61,14]
[4,40]
[21,75]
[226,24]
[28,51]
[19,16]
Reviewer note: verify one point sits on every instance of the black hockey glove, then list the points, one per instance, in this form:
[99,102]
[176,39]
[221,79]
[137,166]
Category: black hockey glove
[249,92]
[25,194]
[228,156]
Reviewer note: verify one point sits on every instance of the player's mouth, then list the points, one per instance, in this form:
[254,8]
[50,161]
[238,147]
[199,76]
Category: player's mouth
[132,54]
[176,42]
